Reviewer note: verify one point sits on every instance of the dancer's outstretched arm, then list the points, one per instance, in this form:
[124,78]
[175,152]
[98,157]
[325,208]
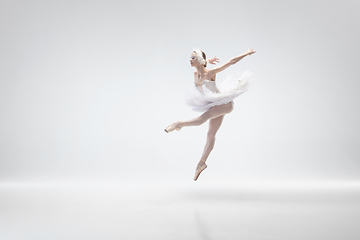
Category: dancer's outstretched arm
[213,60]
[232,61]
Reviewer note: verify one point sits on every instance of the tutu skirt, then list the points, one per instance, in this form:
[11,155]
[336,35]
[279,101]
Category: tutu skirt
[221,93]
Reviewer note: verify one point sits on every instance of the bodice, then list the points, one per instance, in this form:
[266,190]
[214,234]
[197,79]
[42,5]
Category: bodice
[211,85]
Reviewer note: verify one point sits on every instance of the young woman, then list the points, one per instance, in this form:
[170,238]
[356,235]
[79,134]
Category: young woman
[215,101]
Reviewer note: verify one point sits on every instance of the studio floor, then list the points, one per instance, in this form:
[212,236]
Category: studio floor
[261,211]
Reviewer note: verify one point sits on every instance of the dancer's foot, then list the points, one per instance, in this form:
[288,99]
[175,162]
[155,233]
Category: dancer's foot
[200,167]
[175,126]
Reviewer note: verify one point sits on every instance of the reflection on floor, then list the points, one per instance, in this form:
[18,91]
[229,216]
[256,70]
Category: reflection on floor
[263,210]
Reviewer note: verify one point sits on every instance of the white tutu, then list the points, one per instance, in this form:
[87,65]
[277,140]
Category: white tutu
[218,93]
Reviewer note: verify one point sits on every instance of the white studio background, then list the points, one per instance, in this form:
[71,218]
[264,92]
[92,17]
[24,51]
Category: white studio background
[87,87]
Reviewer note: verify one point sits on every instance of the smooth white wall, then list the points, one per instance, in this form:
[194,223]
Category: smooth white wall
[87,87]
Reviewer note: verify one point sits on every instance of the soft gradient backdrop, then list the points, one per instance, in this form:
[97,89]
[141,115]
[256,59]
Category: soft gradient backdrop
[87,87]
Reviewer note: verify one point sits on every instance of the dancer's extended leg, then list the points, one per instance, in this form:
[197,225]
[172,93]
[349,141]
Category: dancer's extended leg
[213,112]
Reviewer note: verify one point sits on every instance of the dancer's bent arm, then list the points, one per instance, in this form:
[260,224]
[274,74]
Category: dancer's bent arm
[232,61]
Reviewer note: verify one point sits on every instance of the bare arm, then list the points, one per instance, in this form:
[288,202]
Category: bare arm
[232,61]
[213,60]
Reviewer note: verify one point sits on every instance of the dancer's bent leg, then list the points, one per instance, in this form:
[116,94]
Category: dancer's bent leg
[214,125]
[213,112]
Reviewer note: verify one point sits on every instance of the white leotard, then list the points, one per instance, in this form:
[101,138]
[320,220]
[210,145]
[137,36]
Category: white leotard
[211,85]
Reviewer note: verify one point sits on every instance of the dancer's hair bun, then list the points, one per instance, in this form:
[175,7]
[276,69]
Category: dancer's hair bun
[201,57]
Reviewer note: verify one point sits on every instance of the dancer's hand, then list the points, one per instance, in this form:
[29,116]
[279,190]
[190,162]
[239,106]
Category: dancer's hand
[213,60]
[250,52]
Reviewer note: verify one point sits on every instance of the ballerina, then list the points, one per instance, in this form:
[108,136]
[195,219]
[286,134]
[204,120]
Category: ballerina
[208,98]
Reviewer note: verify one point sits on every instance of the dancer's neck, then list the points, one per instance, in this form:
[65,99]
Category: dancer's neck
[200,70]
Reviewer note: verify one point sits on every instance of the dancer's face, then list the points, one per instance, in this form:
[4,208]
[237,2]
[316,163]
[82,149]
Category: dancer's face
[193,60]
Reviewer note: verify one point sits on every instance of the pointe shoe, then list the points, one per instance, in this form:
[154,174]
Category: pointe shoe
[175,126]
[197,173]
